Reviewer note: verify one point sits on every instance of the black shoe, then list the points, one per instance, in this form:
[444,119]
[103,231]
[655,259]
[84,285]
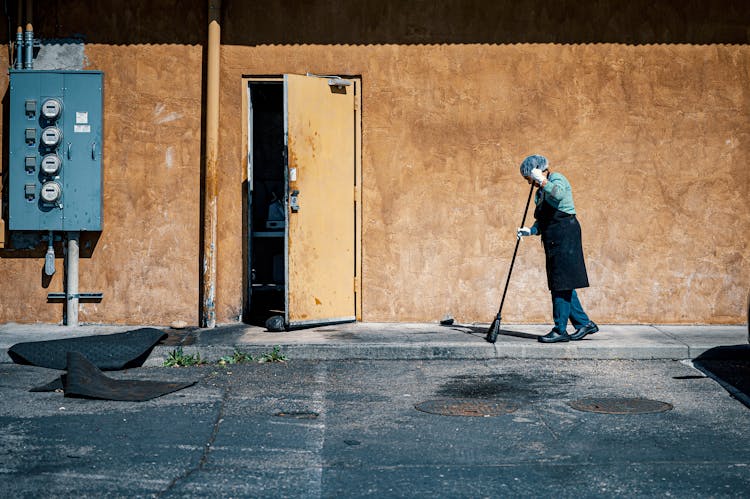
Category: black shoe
[589,328]
[554,336]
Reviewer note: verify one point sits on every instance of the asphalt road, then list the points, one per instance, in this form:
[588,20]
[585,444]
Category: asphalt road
[350,429]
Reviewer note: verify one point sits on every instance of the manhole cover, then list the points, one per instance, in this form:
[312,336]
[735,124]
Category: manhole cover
[297,414]
[620,405]
[467,407]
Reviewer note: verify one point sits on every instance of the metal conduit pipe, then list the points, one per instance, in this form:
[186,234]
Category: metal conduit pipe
[210,211]
[28,36]
[19,36]
[71,276]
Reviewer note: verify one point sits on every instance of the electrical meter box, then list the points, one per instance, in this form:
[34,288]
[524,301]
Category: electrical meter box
[55,151]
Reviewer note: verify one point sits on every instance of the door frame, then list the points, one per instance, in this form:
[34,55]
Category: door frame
[246,186]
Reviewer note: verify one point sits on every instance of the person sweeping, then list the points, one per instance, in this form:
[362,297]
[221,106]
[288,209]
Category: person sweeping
[556,222]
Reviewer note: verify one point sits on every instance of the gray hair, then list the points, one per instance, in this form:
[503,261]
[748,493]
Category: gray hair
[531,162]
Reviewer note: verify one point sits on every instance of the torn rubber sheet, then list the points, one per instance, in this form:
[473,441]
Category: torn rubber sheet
[109,352]
[84,380]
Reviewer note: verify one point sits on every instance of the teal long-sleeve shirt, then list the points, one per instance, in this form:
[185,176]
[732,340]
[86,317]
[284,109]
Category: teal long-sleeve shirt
[557,192]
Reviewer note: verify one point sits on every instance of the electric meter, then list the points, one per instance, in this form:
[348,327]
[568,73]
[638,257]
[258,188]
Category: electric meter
[51,109]
[51,164]
[51,136]
[51,192]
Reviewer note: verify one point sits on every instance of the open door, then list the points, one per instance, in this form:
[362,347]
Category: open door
[320,144]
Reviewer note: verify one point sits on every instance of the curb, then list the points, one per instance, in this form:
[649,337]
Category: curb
[432,351]
[734,392]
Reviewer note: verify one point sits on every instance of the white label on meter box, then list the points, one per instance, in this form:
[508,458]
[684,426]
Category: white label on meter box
[82,118]
[82,128]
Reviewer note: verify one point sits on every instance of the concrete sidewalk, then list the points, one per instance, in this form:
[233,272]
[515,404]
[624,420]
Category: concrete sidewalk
[404,341]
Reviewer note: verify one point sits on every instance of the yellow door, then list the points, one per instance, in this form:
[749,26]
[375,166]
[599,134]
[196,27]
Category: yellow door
[320,172]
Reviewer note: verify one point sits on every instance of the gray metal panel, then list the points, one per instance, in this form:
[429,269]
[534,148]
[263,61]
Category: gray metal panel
[80,175]
[82,132]
[24,213]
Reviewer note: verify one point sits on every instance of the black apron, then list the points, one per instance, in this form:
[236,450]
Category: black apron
[561,236]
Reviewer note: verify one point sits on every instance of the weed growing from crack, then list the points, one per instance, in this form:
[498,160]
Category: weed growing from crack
[178,358]
[236,358]
[273,356]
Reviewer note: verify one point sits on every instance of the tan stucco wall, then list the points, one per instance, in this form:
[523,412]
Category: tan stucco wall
[146,260]
[652,137]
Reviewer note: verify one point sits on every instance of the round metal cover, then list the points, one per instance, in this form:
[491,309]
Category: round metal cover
[51,191]
[467,407]
[51,108]
[51,136]
[620,405]
[51,164]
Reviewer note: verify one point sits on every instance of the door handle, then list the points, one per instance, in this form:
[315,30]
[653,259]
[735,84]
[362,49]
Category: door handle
[293,201]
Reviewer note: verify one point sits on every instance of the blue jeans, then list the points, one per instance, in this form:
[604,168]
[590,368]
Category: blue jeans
[566,306]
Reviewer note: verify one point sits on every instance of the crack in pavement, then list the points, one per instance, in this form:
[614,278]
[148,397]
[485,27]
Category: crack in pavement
[206,448]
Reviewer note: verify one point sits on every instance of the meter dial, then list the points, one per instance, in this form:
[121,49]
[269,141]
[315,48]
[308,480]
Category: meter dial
[51,192]
[51,164]
[51,109]
[51,136]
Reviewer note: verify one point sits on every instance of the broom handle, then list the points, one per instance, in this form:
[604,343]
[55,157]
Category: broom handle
[518,240]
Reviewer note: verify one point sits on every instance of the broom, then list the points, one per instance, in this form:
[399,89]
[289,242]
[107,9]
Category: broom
[495,327]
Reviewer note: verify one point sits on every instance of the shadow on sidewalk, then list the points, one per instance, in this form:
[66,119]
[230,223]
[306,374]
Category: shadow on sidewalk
[730,367]
[482,332]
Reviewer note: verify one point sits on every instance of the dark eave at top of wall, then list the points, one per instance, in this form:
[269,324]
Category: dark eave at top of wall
[362,22]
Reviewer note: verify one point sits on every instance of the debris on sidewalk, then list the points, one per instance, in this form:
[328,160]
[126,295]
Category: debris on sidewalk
[447,320]
[275,323]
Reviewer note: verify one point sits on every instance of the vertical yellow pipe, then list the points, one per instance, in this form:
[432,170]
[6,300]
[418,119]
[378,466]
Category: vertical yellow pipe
[210,213]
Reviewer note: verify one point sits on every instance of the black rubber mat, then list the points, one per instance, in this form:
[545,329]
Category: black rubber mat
[57,384]
[84,380]
[109,352]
